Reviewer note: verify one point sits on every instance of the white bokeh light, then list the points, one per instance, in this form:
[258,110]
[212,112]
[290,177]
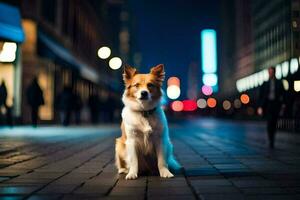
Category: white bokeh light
[8,52]
[201,103]
[104,52]
[115,63]
[173,91]
[210,79]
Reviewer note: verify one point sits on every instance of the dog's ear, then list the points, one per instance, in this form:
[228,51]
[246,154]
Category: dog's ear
[159,72]
[129,72]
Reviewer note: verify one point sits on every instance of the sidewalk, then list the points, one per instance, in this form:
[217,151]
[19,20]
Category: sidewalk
[221,160]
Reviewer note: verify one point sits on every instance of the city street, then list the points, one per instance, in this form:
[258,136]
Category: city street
[220,159]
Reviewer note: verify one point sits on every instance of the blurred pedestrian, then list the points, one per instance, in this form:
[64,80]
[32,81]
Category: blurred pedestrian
[65,105]
[3,98]
[271,99]
[35,99]
[77,106]
[3,94]
[93,103]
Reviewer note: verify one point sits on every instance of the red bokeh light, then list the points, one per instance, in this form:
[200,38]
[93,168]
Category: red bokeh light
[177,106]
[189,105]
[245,98]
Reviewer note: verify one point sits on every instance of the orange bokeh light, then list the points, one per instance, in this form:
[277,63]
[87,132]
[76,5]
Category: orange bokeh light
[174,81]
[177,106]
[245,99]
[211,102]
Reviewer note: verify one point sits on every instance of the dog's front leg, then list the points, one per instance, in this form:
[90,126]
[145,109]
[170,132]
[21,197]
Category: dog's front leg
[161,161]
[132,158]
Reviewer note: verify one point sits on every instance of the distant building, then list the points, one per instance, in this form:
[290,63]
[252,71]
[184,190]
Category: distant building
[60,48]
[264,34]
[236,44]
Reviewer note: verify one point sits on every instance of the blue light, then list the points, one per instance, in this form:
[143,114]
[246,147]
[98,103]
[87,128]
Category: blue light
[209,51]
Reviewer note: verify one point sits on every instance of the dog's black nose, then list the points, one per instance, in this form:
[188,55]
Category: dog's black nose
[144,94]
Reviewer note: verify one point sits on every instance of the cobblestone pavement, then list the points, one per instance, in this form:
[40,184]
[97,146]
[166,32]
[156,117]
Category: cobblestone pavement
[220,159]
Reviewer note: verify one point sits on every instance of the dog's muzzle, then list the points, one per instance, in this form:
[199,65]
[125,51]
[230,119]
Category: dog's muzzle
[144,95]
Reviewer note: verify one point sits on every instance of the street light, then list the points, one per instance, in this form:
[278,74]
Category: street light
[115,63]
[104,52]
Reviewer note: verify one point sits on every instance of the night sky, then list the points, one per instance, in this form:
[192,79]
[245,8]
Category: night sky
[168,32]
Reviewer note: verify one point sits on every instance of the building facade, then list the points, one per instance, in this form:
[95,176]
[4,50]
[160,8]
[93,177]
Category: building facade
[265,34]
[60,49]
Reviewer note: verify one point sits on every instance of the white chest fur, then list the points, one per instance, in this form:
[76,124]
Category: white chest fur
[143,130]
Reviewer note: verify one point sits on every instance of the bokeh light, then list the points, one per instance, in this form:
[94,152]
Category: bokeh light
[285,84]
[237,103]
[189,105]
[245,99]
[104,52]
[201,103]
[250,111]
[211,102]
[177,106]
[115,63]
[173,92]
[226,105]
[297,86]
[210,79]
[8,52]
[174,81]
[207,90]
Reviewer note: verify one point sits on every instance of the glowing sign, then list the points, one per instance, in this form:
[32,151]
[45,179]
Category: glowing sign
[209,51]
[209,58]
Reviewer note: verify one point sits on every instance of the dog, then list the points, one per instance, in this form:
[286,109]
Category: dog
[144,144]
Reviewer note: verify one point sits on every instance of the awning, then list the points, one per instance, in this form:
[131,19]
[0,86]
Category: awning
[61,53]
[10,24]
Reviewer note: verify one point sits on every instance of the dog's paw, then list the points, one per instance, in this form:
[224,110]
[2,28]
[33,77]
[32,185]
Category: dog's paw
[131,176]
[165,173]
[123,171]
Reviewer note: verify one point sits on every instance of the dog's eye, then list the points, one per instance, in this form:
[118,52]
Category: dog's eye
[150,85]
[136,85]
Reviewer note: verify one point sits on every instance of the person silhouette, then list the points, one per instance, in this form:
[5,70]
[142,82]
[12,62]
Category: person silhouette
[35,99]
[271,100]
[3,94]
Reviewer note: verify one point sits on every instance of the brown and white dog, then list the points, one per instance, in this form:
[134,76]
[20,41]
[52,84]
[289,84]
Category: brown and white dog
[145,144]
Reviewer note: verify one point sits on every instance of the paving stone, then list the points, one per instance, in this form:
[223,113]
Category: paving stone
[216,190]
[128,191]
[222,196]
[266,190]
[170,191]
[212,182]
[6,190]
[45,197]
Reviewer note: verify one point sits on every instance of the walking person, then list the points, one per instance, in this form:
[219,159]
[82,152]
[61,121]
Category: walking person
[271,99]
[35,99]
[3,98]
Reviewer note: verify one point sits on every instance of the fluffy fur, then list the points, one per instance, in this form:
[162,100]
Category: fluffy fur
[145,144]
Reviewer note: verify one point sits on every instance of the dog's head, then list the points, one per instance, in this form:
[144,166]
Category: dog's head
[143,91]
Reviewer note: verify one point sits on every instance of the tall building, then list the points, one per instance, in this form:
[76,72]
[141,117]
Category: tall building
[254,36]
[236,44]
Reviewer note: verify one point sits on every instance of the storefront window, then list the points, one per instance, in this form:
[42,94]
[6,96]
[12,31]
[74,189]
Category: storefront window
[45,79]
[7,75]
